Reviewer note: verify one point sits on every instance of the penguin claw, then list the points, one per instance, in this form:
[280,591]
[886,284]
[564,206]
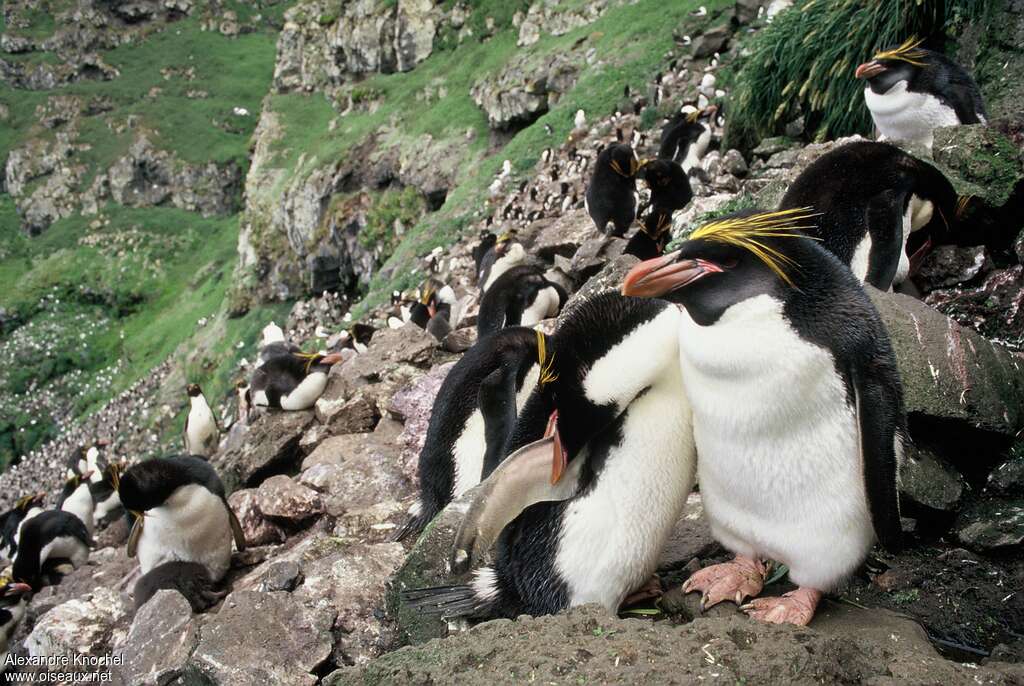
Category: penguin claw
[796,607]
[736,580]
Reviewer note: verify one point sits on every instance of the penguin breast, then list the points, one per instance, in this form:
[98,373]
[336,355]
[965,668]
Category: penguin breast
[902,114]
[192,526]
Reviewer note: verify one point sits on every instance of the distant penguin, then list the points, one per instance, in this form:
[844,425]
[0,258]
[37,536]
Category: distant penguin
[77,499]
[272,333]
[190,579]
[472,418]
[506,254]
[587,503]
[611,197]
[181,514]
[522,296]
[437,311]
[291,381]
[104,494]
[776,332]
[487,242]
[876,208]
[202,432]
[10,522]
[687,137]
[86,459]
[912,91]
[48,543]
[580,119]
[13,603]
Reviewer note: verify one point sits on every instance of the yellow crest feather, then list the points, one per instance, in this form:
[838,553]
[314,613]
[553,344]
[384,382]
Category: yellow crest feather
[546,363]
[747,232]
[909,51]
[308,357]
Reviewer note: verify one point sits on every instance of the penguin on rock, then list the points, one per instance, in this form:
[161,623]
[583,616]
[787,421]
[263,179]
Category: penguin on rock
[522,296]
[13,603]
[202,431]
[472,419]
[180,513]
[50,545]
[911,91]
[611,197]
[687,137]
[291,381]
[876,208]
[776,332]
[77,499]
[603,464]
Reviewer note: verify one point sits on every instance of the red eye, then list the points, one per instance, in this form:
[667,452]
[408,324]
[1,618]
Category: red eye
[729,262]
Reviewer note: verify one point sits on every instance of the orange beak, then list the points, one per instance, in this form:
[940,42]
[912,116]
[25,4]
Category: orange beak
[660,275]
[868,70]
[333,358]
[559,460]
[18,589]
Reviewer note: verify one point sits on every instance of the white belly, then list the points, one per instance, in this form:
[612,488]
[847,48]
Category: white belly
[202,431]
[543,307]
[904,115]
[696,151]
[612,536]
[191,526]
[780,469]
[80,504]
[305,395]
[65,547]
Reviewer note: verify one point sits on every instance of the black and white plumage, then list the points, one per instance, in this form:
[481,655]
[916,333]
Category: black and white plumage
[776,332]
[291,380]
[472,418]
[611,198]
[877,208]
[104,493]
[911,91]
[653,236]
[687,137]
[504,255]
[11,521]
[181,514]
[522,296]
[47,543]
[77,498]
[610,425]
[190,579]
[202,430]
[13,603]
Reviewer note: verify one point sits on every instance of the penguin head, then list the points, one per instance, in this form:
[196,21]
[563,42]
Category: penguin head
[12,592]
[318,361]
[726,262]
[889,67]
[503,242]
[26,503]
[657,173]
[150,483]
[193,390]
[622,160]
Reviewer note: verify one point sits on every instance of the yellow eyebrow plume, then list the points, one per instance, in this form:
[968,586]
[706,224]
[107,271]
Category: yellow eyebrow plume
[748,232]
[546,363]
[910,51]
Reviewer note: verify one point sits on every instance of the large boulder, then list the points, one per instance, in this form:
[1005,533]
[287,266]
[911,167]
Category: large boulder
[160,641]
[87,626]
[271,446]
[525,88]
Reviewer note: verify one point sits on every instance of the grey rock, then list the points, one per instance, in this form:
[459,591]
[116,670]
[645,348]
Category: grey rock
[592,257]
[711,41]
[358,414]
[949,265]
[279,497]
[772,146]
[991,308]
[991,525]
[1008,477]
[413,405]
[795,128]
[372,524]
[609,278]
[928,481]
[690,537]
[82,626]
[980,161]
[281,575]
[525,89]
[745,11]
[733,162]
[258,530]
[160,641]
[563,235]
[271,446]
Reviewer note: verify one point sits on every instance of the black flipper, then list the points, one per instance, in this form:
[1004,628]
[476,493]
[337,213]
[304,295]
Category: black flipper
[885,224]
[447,601]
[497,402]
[236,528]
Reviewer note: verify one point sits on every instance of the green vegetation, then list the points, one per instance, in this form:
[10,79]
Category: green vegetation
[392,214]
[803,63]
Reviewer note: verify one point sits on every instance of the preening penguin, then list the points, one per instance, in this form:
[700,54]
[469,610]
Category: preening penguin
[611,195]
[797,406]
[13,602]
[584,509]
[912,91]
[202,431]
[181,514]
[522,296]
[472,418]
[291,381]
[877,208]
[48,542]
[670,187]
[686,138]
[77,499]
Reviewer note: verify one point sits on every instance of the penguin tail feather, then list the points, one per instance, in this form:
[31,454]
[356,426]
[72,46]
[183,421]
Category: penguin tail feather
[447,601]
[412,527]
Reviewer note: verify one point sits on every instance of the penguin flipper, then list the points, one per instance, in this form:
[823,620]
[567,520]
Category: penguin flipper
[236,528]
[885,221]
[133,537]
[879,429]
[447,601]
[497,402]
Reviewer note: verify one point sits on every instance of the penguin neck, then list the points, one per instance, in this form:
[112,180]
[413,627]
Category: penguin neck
[198,402]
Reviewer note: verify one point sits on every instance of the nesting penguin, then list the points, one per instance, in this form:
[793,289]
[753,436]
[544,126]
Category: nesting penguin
[180,514]
[687,136]
[911,91]
[604,464]
[611,198]
[202,431]
[190,579]
[472,419]
[776,332]
[77,498]
[13,603]
[51,543]
[877,208]
[522,296]
[291,381]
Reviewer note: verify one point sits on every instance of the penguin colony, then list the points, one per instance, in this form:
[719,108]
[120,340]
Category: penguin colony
[584,442]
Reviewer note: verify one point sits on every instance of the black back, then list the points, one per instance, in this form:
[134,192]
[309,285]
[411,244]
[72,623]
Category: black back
[276,349]
[486,244]
[940,76]
[670,187]
[36,533]
[149,484]
[611,196]
[508,297]
[653,236]
[677,137]
[280,375]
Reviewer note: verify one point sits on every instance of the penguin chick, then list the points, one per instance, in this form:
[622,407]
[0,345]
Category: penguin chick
[190,579]
[53,537]
[202,431]
[686,138]
[776,332]
[180,514]
[291,381]
[472,418]
[522,296]
[611,196]
[877,208]
[585,506]
[77,499]
[13,603]
[912,91]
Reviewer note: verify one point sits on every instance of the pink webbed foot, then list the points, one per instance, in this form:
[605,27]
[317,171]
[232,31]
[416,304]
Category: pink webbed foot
[650,589]
[737,580]
[796,607]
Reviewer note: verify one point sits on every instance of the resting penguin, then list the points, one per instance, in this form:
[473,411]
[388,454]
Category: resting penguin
[180,513]
[506,254]
[877,208]
[585,506]
[437,310]
[522,296]
[611,195]
[202,432]
[47,543]
[912,91]
[10,522]
[190,579]
[77,499]
[686,138]
[797,406]
[291,381]
[13,602]
[472,418]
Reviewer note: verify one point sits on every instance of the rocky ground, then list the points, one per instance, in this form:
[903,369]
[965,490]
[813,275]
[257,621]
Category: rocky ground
[319,493]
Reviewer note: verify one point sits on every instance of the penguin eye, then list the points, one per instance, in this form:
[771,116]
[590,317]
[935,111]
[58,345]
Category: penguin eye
[729,262]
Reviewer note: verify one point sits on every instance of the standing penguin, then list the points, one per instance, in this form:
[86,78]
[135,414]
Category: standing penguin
[487,243]
[506,254]
[202,432]
[47,544]
[77,499]
[686,138]
[291,381]
[776,332]
[13,602]
[912,91]
[10,522]
[584,509]
[611,195]
[876,208]
[472,418]
[522,296]
[181,513]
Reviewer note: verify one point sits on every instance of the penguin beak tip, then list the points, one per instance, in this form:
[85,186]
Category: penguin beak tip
[868,70]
